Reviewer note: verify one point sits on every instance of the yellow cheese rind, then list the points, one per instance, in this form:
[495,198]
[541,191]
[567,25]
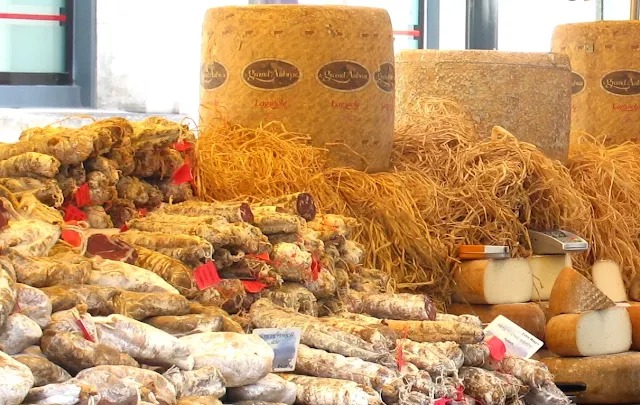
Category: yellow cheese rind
[528,94]
[326,71]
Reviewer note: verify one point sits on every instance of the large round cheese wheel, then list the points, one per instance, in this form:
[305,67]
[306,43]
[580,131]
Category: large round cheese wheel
[326,71]
[611,379]
[528,94]
[606,77]
[529,316]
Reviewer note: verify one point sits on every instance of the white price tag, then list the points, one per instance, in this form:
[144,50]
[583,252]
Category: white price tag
[518,342]
[284,343]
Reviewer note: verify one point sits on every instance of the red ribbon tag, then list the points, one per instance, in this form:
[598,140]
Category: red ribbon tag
[143,212]
[497,348]
[72,213]
[71,237]
[442,401]
[124,228]
[82,195]
[182,175]
[182,146]
[206,275]
[85,332]
[16,308]
[315,267]
[262,256]
[253,286]
[401,362]
[459,393]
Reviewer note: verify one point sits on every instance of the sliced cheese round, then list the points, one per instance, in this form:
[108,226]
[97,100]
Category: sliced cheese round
[613,379]
[528,315]
[493,281]
[606,276]
[592,333]
[545,270]
[634,315]
[572,293]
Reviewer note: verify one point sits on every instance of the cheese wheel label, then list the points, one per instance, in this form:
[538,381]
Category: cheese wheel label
[213,75]
[343,75]
[385,77]
[577,83]
[622,82]
[271,74]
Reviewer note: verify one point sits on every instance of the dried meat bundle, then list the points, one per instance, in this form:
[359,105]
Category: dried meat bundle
[18,333]
[123,158]
[227,294]
[173,271]
[68,150]
[441,358]
[206,381]
[415,307]
[68,393]
[225,257]
[232,212]
[31,208]
[30,237]
[110,273]
[147,163]
[33,303]
[466,318]
[295,297]
[185,325]
[292,263]
[16,379]
[476,355]
[140,306]
[45,190]
[49,271]
[437,331]
[239,235]
[105,166]
[325,285]
[272,222]
[121,211]
[101,377]
[531,372]
[242,359]
[377,334]
[228,324]
[319,363]
[367,280]
[546,394]
[97,299]
[115,390]
[119,130]
[7,292]
[351,252]
[101,191]
[330,226]
[206,401]
[301,204]
[155,132]
[249,268]
[107,247]
[486,386]
[271,388]
[97,217]
[75,353]
[265,314]
[44,372]
[101,139]
[329,391]
[186,248]
[29,164]
[143,342]
[173,193]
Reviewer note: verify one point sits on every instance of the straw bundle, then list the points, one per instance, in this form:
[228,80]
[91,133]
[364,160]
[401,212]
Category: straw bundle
[448,188]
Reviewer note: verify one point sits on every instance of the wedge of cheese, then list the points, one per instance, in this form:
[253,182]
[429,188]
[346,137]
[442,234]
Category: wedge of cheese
[572,293]
[606,276]
[545,270]
[529,316]
[592,333]
[612,379]
[634,315]
[505,281]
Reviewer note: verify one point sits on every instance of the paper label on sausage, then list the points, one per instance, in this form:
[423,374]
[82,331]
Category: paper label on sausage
[518,342]
[284,343]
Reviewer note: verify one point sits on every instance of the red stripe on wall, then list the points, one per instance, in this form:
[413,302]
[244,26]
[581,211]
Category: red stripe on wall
[414,33]
[33,17]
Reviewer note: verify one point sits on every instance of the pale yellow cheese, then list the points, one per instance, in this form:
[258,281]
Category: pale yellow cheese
[545,270]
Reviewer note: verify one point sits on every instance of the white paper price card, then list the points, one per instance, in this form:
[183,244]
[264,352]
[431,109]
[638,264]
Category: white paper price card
[284,343]
[517,341]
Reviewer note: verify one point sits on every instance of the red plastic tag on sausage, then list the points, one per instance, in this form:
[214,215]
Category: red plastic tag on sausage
[182,146]
[82,195]
[497,348]
[143,212]
[71,237]
[253,286]
[315,267]
[401,362]
[459,393]
[72,213]
[16,308]
[124,228]
[262,256]
[442,401]
[182,175]
[85,332]
[206,275]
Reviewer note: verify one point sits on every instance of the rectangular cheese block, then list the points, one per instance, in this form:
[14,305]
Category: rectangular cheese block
[606,276]
[529,316]
[493,281]
[545,270]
